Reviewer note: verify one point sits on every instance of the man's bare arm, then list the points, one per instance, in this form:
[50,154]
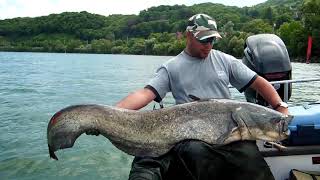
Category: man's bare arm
[267,91]
[137,99]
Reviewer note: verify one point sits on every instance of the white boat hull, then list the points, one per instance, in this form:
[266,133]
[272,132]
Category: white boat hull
[281,165]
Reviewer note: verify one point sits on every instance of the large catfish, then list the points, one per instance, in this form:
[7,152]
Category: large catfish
[155,132]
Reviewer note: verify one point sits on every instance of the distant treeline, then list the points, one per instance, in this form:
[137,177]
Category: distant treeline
[160,30]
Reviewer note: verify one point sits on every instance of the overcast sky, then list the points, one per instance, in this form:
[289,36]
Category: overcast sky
[33,8]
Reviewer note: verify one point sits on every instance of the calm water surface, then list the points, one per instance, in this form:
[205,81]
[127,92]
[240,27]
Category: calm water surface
[33,86]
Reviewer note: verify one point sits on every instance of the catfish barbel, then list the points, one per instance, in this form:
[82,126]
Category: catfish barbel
[155,132]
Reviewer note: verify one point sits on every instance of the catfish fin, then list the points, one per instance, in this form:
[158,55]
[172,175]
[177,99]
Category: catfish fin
[233,136]
[239,117]
[194,98]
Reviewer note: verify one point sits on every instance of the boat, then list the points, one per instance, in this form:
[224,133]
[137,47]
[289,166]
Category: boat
[302,147]
[266,54]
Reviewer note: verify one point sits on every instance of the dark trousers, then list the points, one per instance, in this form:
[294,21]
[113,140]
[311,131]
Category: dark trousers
[196,160]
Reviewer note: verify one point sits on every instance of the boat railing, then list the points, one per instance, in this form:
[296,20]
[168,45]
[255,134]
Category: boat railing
[286,85]
[287,82]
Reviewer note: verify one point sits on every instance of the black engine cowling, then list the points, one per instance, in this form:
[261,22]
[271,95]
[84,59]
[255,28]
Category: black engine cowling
[267,55]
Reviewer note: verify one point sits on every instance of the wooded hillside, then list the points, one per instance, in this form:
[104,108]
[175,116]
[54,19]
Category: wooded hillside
[159,30]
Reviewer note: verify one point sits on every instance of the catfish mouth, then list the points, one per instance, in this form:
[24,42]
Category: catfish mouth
[285,121]
[280,130]
[283,128]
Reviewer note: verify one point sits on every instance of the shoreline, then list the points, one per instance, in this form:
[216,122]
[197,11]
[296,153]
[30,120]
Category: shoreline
[292,59]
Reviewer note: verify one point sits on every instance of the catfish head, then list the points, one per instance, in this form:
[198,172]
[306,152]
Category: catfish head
[262,123]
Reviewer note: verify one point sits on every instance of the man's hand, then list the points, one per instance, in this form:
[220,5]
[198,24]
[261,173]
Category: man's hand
[283,110]
[267,91]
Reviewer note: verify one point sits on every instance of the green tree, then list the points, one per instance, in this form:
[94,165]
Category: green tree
[149,44]
[236,46]
[137,46]
[161,48]
[268,14]
[294,36]
[227,29]
[101,46]
[311,19]
[282,19]
[176,47]
[257,26]
[119,50]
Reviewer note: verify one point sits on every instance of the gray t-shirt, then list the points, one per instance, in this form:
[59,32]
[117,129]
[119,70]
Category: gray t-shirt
[184,75]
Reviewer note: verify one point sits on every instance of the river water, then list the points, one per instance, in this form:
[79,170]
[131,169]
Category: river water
[33,86]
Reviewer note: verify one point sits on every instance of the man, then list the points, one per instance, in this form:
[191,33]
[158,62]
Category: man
[205,73]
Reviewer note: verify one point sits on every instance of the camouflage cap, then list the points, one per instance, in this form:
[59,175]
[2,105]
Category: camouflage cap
[202,26]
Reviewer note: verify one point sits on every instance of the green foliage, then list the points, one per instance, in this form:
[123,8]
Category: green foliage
[233,43]
[257,26]
[161,48]
[294,36]
[236,46]
[176,47]
[286,3]
[283,18]
[101,46]
[311,19]
[159,30]
[137,46]
[4,42]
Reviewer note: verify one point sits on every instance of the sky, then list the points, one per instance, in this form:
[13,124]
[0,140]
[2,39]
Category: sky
[33,8]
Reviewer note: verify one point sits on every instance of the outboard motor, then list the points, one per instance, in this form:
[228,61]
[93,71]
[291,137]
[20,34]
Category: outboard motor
[267,55]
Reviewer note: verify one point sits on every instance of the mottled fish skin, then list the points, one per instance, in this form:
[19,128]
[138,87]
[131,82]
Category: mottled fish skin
[155,132]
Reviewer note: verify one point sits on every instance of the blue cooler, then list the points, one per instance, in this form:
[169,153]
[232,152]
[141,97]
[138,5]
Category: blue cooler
[305,126]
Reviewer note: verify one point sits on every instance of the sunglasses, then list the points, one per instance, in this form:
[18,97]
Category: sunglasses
[211,40]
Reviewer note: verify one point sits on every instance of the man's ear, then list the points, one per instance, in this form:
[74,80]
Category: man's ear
[189,35]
